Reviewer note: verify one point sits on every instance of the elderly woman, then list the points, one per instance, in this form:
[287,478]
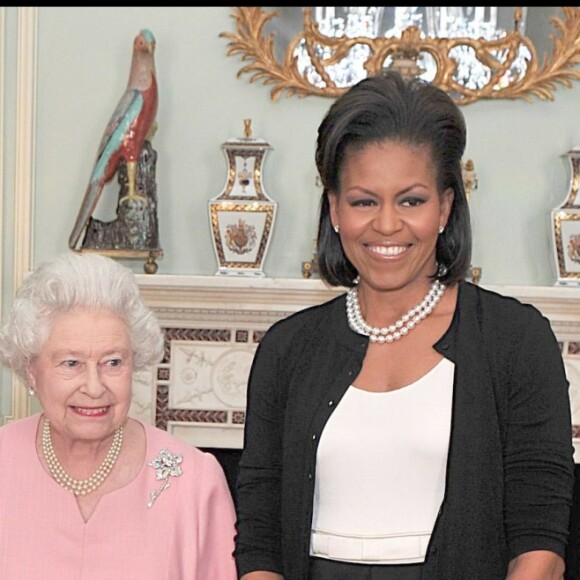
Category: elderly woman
[86,491]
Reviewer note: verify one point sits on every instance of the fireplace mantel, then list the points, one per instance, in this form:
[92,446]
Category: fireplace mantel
[280,294]
[213,324]
[268,297]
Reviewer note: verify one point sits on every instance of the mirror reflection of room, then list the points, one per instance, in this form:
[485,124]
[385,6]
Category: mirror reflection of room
[471,52]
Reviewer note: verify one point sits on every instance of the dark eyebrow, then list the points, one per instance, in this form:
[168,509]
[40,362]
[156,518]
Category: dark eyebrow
[408,189]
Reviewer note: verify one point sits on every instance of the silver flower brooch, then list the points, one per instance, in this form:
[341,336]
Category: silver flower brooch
[166,465]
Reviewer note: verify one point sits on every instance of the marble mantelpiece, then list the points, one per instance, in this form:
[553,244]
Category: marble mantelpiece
[213,324]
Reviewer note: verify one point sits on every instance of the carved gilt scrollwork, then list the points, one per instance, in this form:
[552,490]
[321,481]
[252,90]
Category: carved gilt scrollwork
[540,79]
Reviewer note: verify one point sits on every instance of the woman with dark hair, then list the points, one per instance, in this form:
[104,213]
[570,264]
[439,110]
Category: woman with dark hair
[417,426]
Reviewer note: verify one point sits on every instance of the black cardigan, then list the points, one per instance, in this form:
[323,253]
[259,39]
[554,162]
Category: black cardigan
[510,468]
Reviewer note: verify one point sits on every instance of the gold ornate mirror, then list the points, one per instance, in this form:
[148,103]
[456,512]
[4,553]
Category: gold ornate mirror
[472,53]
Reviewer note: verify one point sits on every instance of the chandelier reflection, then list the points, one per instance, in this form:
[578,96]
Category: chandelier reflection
[428,22]
[472,53]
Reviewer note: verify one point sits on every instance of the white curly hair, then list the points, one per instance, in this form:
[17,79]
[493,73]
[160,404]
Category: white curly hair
[77,280]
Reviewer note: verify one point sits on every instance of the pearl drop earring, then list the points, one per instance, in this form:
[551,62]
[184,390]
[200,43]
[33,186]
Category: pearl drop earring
[336,228]
[441,229]
[30,392]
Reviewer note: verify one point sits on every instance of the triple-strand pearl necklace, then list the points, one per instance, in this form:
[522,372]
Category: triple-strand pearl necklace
[400,328]
[79,486]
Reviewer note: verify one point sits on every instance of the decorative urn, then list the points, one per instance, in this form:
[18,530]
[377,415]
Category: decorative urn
[566,228]
[242,216]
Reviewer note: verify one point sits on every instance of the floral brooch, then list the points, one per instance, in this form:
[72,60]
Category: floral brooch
[166,465]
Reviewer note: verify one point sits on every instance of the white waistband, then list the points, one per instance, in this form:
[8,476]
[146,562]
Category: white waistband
[390,549]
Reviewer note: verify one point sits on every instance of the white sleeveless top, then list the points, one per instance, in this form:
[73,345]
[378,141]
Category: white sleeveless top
[380,474]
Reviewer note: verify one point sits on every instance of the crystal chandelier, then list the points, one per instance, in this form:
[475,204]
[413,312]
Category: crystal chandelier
[479,22]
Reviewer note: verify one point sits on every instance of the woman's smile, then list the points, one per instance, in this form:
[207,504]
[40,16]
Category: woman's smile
[387,251]
[91,411]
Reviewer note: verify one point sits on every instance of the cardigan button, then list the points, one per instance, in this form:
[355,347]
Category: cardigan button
[310,476]
[314,437]
[330,403]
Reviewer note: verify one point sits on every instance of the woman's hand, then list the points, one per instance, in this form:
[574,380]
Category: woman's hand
[536,565]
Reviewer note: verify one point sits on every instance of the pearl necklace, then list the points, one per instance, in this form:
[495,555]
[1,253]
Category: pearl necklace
[400,328]
[79,486]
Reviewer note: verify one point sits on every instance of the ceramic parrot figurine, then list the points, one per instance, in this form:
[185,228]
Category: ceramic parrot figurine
[132,122]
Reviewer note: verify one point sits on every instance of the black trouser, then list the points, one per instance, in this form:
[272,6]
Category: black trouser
[323,569]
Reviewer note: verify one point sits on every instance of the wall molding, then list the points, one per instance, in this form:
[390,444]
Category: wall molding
[26,82]
[2,144]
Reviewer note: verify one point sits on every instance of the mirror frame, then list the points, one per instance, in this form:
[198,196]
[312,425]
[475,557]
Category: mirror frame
[539,80]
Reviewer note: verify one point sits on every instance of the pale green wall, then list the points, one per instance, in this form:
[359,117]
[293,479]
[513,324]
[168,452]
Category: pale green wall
[83,57]
[83,65]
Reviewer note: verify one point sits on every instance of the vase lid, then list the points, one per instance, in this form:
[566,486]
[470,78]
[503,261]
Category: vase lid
[247,140]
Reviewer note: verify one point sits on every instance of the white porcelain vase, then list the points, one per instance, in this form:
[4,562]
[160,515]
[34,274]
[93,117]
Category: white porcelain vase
[242,216]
